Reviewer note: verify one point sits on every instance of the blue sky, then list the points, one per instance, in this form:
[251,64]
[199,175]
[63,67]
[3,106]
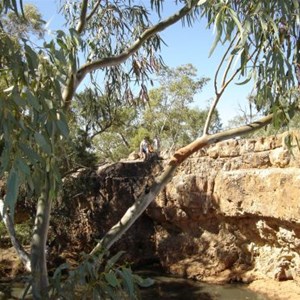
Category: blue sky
[184,45]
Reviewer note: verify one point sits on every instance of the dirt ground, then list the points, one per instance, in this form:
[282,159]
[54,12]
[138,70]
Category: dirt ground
[277,290]
[11,267]
[10,264]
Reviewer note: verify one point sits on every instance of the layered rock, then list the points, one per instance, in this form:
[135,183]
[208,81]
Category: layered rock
[232,212]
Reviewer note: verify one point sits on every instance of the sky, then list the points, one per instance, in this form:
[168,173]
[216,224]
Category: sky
[184,45]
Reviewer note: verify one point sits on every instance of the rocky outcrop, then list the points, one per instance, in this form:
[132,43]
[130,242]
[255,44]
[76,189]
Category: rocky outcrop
[92,202]
[232,212]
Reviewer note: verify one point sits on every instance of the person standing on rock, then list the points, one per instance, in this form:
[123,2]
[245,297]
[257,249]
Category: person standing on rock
[156,145]
[144,148]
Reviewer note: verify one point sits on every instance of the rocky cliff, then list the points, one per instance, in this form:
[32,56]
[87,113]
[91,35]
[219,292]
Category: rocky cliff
[232,212]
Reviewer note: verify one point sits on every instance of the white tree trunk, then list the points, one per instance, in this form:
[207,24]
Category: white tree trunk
[23,255]
[40,282]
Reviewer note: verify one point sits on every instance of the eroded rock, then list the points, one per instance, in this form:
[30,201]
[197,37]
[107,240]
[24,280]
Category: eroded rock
[236,211]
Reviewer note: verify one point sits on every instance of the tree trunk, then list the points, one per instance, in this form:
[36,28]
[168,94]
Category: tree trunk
[24,256]
[134,211]
[40,281]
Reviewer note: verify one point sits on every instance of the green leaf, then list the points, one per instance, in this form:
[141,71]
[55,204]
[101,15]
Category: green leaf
[18,100]
[128,283]
[111,262]
[22,166]
[12,191]
[40,139]
[143,282]
[4,160]
[31,154]
[218,26]
[32,58]
[108,290]
[111,279]
[62,124]
[62,267]
[236,20]
[245,81]
[32,100]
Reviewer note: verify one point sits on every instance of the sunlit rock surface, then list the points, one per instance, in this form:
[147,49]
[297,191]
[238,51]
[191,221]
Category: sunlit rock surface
[232,212]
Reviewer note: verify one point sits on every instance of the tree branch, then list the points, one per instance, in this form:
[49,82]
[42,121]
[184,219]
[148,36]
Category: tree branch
[82,19]
[183,153]
[221,63]
[221,91]
[75,79]
[23,255]
[93,11]
[133,212]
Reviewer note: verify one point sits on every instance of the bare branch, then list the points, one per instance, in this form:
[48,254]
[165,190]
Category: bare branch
[221,63]
[93,11]
[220,92]
[75,79]
[210,113]
[227,71]
[23,255]
[82,19]
[206,140]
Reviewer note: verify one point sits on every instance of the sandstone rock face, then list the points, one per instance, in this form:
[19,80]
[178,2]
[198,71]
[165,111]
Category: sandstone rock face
[232,212]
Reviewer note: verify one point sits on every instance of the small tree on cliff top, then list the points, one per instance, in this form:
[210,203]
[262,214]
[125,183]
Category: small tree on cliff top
[116,37]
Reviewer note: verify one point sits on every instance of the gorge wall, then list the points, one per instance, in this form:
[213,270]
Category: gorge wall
[232,212]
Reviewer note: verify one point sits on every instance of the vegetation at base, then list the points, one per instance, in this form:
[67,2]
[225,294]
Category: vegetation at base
[23,232]
[97,277]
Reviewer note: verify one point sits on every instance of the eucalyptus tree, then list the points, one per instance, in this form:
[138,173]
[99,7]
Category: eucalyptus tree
[169,112]
[40,82]
[117,39]
[105,124]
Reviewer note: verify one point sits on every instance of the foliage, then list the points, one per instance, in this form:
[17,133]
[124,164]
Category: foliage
[97,278]
[30,22]
[31,119]
[264,37]
[3,230]
[36,81]
[23,232]
[101,125]
[109,30]
[169,113]
[287,121]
